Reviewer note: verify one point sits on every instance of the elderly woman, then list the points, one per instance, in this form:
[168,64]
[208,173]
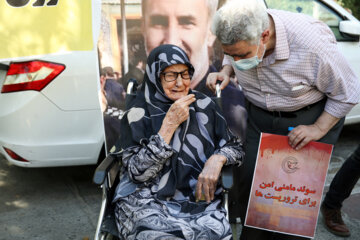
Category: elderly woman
[175,142]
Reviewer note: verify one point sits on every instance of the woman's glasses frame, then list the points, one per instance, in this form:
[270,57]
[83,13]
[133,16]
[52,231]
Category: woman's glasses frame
[172,76]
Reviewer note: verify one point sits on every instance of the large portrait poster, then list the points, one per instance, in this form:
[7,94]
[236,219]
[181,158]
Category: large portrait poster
[287,186]
[131,29]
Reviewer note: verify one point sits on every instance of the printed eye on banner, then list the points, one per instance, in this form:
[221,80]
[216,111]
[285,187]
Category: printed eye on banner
[37,3]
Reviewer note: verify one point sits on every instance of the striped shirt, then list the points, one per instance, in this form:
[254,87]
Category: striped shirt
[305,66]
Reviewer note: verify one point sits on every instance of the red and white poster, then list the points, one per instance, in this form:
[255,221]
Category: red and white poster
[287,186]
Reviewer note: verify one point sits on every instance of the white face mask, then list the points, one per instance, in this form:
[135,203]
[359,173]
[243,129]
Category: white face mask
[248,63]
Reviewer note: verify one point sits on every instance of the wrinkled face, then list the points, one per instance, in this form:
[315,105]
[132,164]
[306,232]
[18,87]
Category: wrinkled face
[182,23]
[177,88]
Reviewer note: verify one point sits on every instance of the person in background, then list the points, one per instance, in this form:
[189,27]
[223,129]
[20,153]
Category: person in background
[137,58]
[112,102]
[117,76]
[340,189]
[114,91]
[292,75]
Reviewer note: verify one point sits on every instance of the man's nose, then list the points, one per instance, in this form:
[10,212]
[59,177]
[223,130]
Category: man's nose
[236,58]
[172,35]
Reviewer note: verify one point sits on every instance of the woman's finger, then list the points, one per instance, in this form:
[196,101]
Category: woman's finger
[188,101]
[198,190]
[185,98]
[212,190]
[206,191]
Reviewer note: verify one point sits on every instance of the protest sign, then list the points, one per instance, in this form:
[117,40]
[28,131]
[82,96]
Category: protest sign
[287,186]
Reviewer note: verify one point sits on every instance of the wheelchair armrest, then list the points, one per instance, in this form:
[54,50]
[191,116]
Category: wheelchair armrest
[227,179]
[103,169]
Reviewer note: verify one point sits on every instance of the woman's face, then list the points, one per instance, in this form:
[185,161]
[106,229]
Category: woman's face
[175,85]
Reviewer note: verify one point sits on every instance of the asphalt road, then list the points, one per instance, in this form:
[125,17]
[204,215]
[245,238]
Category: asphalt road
[47,203]
[63,203]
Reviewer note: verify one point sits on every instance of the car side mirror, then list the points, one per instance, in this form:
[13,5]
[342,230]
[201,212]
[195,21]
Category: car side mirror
[350,27]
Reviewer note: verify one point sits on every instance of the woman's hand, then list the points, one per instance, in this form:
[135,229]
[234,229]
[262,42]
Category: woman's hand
[177,114]
[179,111]
[208,178]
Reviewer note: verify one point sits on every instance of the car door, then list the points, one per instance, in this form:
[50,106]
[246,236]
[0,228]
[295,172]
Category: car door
[335,17]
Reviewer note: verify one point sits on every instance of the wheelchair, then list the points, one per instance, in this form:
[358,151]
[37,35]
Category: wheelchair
[107,176]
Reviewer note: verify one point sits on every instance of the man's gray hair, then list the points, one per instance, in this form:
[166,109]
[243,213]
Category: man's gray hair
[211,5]
[240,20]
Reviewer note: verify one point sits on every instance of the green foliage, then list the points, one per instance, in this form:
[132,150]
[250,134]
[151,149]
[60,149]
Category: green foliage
[353,5]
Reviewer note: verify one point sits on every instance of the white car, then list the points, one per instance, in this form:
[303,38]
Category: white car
[345,27]
[49,107]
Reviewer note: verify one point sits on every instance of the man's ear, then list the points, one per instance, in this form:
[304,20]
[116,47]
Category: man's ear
[265,36]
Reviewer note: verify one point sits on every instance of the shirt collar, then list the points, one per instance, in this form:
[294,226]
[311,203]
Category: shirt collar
[282,51]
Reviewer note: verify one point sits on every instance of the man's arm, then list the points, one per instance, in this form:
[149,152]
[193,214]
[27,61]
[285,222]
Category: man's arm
[335,78]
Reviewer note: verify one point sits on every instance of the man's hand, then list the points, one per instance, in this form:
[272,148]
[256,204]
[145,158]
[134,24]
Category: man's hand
[303,134]
[223,76]
[209,176]
[177,114]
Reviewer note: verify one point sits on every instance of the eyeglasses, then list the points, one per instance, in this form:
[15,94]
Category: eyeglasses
[172,76]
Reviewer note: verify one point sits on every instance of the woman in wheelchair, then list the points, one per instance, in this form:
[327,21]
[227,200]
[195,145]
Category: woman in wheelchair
[175,142]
